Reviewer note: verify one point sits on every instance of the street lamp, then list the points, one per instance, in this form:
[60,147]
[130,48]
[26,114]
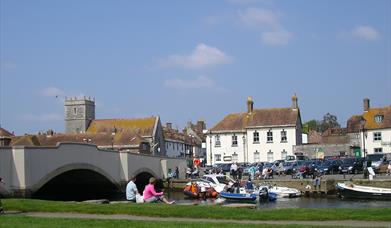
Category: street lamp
[362,122]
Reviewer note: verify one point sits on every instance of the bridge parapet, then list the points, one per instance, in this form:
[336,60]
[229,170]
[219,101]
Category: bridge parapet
[27,169]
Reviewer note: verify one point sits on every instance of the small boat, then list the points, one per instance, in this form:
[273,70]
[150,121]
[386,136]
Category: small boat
[217,181]
[283,192]
[363,192]
[239,196]
[199,189]
[265,195]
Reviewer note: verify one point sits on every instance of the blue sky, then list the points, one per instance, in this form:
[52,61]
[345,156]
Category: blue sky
[190,60]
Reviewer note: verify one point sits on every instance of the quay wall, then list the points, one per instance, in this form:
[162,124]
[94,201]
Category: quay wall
[327,186]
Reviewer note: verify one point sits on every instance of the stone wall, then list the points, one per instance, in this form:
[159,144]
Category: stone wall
[315,150]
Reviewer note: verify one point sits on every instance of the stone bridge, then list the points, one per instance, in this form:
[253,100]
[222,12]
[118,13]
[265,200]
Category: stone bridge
[71,169]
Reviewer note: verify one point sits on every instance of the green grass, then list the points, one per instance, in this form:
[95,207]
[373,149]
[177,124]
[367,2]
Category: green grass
[192,211]
[22,222]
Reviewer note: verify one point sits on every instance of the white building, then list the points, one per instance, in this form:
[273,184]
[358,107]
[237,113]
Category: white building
[257,135]
[179,144]
[371,130]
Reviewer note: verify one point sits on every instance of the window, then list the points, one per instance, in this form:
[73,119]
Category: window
[284,153]
[378,150]
[256,137]
[379,118]
[256,156]
[74,111]
[270,156]
[217,141]
[217,157]
[234,140]
[283,136]
[235,157]
[269,136]
[227,158]
[376,136]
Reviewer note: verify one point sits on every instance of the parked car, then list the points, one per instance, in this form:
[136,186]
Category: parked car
[225,167]
[330,166]
[351,165]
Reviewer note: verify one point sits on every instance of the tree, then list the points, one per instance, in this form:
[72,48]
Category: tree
[329,121]
[311,125]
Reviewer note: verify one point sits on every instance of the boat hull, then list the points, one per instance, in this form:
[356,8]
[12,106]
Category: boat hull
[351,193]
[238,196]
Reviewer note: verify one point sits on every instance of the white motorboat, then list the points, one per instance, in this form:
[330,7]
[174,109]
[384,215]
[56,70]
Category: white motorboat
[217,181]
[282,192]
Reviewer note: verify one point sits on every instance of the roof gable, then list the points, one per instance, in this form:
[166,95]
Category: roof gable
[258,118]
[143,126]
[354,122]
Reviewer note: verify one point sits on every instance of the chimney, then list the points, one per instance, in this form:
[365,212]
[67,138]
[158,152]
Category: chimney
[250,105]
[295,105]
[366,105]
[201,125]
[169,125]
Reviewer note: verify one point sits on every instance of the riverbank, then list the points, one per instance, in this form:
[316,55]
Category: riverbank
[327,186]
[200,211]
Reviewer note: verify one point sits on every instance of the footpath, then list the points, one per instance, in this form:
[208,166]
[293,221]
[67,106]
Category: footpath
[349,223]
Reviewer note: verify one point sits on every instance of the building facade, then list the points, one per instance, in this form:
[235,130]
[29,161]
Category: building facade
[371,131]
[258,135]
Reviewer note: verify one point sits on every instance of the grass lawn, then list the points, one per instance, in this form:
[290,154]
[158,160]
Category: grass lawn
[192,211]
[19,221]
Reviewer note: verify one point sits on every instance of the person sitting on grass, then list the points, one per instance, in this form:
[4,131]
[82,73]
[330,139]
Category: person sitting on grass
[131,190]
[151,196]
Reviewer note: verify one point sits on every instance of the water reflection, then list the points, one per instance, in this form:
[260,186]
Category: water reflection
[302,202]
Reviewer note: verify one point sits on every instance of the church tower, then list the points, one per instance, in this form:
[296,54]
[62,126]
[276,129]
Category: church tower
[79,112]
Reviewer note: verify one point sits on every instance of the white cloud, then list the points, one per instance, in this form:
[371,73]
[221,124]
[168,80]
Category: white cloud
[259,18]
[268,23]
[52,92]
[202,56]
[365,32]
[42,118]
[200,82]
[276,38]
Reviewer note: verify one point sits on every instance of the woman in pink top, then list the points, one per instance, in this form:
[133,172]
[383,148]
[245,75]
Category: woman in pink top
[150,195]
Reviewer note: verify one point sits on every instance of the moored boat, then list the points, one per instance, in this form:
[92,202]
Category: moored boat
[283,192]
[354,191]
[238,196]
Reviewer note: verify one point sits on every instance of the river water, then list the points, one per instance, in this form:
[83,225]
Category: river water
[301,202]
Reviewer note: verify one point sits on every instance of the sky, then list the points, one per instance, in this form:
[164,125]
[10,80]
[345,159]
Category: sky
[191,60]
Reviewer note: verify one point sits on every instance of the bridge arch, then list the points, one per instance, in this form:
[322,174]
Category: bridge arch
[142,177]
[78,181]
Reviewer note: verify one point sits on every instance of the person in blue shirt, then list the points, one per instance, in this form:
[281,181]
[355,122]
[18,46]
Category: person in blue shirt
[131,190]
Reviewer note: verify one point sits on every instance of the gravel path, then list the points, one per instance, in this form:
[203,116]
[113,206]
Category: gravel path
[172,219]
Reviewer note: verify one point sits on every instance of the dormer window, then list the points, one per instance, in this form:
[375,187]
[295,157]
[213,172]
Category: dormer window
[379,118]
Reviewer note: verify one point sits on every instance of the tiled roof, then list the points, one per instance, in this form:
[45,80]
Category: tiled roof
[5,133]
[171,134]
[142,126]
[25,140]
[259,117]
[354,124]
[99,139]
